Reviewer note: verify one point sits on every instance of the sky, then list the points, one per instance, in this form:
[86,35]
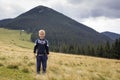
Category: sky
[101,15]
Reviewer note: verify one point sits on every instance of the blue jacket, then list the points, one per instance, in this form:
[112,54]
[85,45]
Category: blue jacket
[41,46]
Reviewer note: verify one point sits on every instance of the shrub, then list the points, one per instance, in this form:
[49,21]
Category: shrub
[1,64]
[31,63]
[25,70]
[2,58]
[12,66]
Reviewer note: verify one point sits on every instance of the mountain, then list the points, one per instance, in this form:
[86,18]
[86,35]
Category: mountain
[61,30]
[111,35]
[4,22]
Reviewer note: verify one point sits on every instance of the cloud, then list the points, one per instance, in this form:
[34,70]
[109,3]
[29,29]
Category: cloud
[9,10]
[102,24]
[72,8]
[96,8]
[13,8]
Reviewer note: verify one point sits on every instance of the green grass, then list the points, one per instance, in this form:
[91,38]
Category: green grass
[10,74]
[14,37]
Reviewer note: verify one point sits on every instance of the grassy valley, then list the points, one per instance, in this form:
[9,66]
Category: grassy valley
[17,62]
[15,37]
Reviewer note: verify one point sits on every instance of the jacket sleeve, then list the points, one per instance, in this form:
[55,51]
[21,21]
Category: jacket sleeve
[47,47]
[35,47]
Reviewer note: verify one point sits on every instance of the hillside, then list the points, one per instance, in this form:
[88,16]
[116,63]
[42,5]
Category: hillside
[14,37]
[17,62]
[59,28]
[111,35]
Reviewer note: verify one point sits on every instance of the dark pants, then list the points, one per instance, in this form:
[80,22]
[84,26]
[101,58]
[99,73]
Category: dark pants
[41,60]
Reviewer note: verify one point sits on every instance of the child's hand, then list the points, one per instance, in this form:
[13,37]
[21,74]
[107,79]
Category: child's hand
[35,55]
[34,51]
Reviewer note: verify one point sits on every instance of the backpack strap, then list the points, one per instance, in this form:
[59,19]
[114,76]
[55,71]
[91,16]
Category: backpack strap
[36,42]
[46,43]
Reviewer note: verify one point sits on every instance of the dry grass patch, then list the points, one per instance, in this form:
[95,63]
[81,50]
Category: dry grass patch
[60,66]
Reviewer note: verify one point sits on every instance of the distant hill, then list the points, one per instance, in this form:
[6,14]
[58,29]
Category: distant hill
[111,35]
[62,31]
[4,22]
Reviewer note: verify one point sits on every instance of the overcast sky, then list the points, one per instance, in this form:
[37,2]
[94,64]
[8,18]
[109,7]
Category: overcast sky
[101,15]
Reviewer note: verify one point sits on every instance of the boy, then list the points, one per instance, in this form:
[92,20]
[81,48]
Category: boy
[42,48]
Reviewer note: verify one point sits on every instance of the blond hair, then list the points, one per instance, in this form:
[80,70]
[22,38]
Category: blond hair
[43,31]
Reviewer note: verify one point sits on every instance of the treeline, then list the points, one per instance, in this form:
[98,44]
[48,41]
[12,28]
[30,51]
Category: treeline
[106,50]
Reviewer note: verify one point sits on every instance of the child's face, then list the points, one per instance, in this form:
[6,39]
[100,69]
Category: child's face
[41,35]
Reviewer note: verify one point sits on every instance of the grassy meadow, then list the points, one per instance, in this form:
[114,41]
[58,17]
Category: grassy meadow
[17,62]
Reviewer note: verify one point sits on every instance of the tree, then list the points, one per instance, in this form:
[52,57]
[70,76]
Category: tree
[92,51]
[34,36]
[107,49]
[83,51]
[100,51]
[116,49]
